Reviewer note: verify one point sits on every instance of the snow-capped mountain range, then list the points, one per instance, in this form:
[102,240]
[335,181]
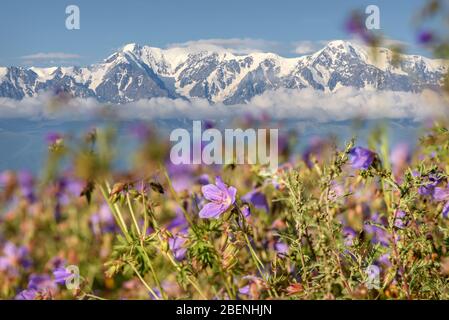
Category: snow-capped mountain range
[141,72]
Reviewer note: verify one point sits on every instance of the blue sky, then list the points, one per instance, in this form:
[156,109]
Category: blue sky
[31,27]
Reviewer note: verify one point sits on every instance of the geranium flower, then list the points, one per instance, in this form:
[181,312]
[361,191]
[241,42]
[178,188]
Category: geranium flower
[221,197]
[281,247]
[399,221]
[246,211]
[41,282]
[378,234]
[425,37]
[26,184]
[442,194]
[14,257]
[103,221]
[40,286]
[432,180]
[258,200]
[349,235]
[361,158]
[53,137]
[61,275]
[176,245]
[27,294]
[179,222]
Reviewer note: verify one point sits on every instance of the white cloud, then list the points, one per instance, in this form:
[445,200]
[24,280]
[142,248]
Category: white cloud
[306,46]
[234,45]
[344,104]
[50,56]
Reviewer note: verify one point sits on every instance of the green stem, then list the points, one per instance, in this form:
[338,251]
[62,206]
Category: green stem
[172,260]
[153,272]
[94,296]
[133,216]
[117,216]
[144,282]
[227,285]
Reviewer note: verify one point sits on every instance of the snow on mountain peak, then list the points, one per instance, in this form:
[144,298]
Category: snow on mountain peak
[3,72]
[140,72]
[44,74]
[131,47]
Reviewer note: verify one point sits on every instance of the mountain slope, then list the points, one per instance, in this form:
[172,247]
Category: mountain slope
[142,72]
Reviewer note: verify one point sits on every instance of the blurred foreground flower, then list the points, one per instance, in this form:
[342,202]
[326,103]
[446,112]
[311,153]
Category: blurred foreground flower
[177,246]
[361,158]
[257,199]
[442,194]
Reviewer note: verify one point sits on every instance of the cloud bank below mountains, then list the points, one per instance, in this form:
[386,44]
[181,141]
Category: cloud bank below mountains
[306,104]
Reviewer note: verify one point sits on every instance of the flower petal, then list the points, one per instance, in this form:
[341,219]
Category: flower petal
[232,192]
[212,210]
[446,210]
[441,194]
[221,185]
[212,193]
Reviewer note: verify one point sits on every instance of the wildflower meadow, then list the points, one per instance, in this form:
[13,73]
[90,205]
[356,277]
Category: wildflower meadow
[325,217]
[351,222]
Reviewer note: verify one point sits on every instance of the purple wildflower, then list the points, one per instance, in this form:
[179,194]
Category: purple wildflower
[103,220]
[176,245]
[179,223]
[373,273]
[400,156]
[246,211]
[203,179]
[399,221]
[355,25]
[57,262]
[248,289]
[53,137]
[157,292]
[361,158]
[26,184]
[14,257]
[40,286]
[337,191]
[446,210]
[27,294]
[349,235]
[245,290]
[61,274]
[442,194]
[378,234]
[257,199]
[41,282]
[431,181]
[221,197]
[425,37]
[281,247]
[384,260]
